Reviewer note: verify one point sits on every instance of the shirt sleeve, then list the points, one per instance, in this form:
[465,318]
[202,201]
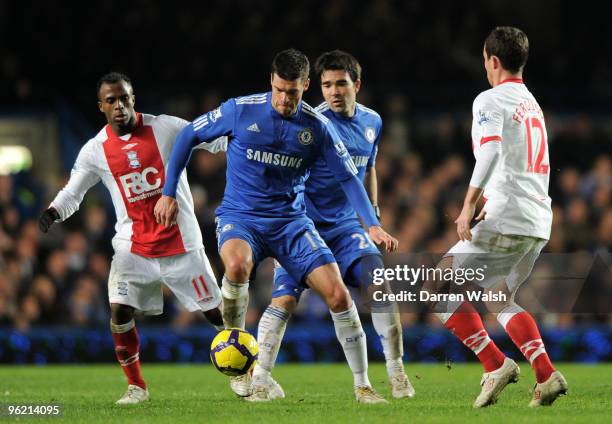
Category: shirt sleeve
[372,159]
[177,124]
[344,169]
[207,128]
[82,177]
[174,123]
[336,155]
[215,146]
[488,121]
[487,157]
[217,123]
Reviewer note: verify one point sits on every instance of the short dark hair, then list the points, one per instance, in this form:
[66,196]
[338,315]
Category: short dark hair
[510,45]
[338,60]
[291,64]
[112,78]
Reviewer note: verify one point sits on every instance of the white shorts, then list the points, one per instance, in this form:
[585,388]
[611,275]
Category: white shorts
[501,257]
[136,281]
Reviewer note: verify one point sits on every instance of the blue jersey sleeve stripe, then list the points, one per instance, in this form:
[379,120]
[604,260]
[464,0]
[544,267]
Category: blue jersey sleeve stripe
[254,98]
[367,110]
[322,107]
[251,96]
[308,107]
[201,124]
[246,99]
[251,102]
[200,119]
[310,111]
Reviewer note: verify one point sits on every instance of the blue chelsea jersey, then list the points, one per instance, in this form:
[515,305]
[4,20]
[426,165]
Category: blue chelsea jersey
[269,156]
[326,202]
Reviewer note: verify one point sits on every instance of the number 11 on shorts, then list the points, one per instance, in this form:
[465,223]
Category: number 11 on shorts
[314,237]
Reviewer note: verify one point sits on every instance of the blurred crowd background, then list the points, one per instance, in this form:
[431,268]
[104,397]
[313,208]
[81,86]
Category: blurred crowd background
[422,68]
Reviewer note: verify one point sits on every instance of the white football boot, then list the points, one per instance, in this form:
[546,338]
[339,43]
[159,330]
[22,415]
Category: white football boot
[133,395]
[264,389]
[494,382]
[544,394]
[366,394]
[241,384]
[401,386]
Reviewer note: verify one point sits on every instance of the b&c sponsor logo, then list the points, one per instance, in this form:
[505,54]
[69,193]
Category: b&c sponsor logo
[141,184]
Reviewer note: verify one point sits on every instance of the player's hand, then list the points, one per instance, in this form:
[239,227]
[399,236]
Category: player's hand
[481,215]
[47,219]
[380,236]
[464,220]
[166,211]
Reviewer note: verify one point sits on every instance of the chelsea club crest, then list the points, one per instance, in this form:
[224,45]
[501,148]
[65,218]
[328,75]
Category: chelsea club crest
[370,134]
[305,136]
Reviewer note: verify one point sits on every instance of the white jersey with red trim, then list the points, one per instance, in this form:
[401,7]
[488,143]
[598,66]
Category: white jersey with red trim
[132,167]
[517,192]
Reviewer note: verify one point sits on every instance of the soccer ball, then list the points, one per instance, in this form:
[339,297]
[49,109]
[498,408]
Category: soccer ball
[234,351]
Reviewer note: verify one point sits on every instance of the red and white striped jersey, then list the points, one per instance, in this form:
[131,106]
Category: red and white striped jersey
[517,192]
[133,167]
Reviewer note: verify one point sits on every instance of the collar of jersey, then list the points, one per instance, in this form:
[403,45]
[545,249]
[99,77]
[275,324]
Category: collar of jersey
[516,80]
[340,117]
[278,115]
[111,134]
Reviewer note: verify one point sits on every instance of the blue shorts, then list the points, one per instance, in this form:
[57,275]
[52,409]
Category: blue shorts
[348,241]
[293,242]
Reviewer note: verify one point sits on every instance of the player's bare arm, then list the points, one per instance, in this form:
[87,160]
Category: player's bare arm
[371,185]
[467,213]
[377,234]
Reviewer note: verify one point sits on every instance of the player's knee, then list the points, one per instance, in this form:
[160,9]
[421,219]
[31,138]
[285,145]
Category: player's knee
[121,314]
[288,303]
[238,267]
[339,299]
[367,270]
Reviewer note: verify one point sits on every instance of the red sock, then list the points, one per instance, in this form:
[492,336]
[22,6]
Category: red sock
[466,325]
[126,349]
[523,331]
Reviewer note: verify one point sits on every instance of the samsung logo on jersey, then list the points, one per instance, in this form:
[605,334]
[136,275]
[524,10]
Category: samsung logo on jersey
[273,158]
[360,161]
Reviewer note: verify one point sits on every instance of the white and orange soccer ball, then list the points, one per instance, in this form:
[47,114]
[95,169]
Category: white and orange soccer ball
[234,351]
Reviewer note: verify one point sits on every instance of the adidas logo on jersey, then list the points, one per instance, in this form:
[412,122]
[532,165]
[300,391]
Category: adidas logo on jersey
[253,127]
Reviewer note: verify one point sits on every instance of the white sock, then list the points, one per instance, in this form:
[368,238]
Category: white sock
[389,329]
[508,313]
[235,303]
[353,341]
[451,307]
[270,334]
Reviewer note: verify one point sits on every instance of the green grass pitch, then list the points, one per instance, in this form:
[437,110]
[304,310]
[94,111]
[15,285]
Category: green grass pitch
[315,394]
